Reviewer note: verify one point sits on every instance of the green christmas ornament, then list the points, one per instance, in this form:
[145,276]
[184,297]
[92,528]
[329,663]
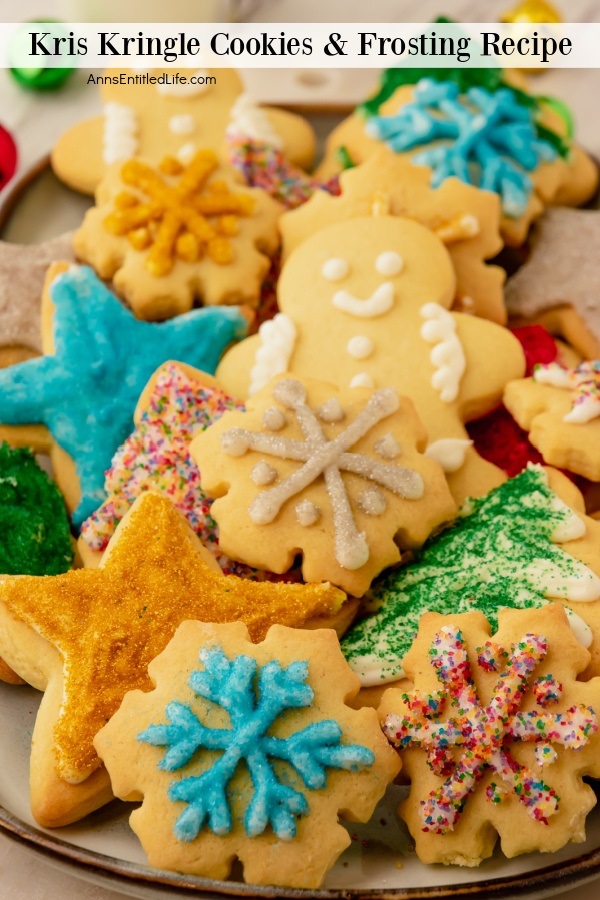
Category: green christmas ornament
[50,73]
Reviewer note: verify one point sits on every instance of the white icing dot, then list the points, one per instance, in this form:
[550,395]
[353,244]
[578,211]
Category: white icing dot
[387,446]
[360,346]
[183,124]
[289,392]
[273,419]
[389,263]
[234,442]
[186,153]
[362,380]
[335,269]
[262,473]
[372,502]
[331,411]
[307,513]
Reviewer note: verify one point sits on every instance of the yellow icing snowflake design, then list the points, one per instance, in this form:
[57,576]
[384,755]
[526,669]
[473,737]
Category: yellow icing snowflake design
[174,219]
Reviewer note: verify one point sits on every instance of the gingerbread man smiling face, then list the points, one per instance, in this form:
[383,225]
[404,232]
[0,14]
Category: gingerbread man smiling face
[365,303]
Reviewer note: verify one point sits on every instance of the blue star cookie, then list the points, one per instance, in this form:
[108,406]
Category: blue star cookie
[86,392]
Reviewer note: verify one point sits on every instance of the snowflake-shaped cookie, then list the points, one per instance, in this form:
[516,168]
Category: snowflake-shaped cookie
[493,733]
[487,139]
[177,232]
[335,476]
[243,748]
[560,408]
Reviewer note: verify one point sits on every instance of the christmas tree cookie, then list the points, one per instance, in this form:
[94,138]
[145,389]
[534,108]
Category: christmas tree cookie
[517,547]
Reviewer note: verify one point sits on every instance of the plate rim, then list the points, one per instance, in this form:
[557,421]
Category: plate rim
[563,875]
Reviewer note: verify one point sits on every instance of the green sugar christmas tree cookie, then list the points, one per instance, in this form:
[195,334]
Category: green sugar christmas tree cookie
[35,538]
[503,551]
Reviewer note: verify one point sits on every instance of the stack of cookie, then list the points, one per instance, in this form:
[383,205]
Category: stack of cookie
[318,533]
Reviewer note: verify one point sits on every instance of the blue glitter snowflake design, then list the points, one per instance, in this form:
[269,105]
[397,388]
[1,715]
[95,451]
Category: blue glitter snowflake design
[254,699]
[489,139]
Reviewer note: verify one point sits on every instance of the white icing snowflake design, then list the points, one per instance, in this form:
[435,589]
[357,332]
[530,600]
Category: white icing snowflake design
[328,458]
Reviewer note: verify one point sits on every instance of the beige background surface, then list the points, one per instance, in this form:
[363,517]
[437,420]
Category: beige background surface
[38,120]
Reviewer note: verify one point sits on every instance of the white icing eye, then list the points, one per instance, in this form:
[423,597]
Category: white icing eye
[335,269]
[389,263]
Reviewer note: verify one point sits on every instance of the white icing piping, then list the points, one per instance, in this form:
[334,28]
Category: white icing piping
[119,137]
[277,340]
[379,303]
[447,356]
[449,453]
[247,120]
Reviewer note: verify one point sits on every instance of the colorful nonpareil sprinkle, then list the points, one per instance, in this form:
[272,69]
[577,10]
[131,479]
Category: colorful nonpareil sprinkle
[484,732]
[265,166]
[156,457]
[583,381]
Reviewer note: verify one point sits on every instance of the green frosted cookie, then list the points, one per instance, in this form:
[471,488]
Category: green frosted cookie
[35,538]
[501,552]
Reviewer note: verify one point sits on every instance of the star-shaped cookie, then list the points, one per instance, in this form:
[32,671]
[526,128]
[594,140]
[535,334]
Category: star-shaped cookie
[22,272]
[558,285]
[98,360]
[87,637]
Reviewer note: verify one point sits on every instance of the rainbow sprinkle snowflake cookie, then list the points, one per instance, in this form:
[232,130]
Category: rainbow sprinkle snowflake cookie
[176,233]
[247,750]
[334,475]
[560,408]
[517,547]
[496,735]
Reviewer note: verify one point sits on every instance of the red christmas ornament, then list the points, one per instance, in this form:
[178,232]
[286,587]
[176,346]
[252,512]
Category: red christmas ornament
[8,157]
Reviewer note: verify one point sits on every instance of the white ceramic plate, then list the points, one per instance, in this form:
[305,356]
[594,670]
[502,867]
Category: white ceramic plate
[102,849]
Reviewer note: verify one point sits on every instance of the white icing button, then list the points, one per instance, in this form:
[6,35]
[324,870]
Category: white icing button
[335,269]
[186,153]
[307,513]
[362,380]
[183,124]
[262,473]
[234,442]
[360,346]
[389,263]
[273,419]
[387,446]
[373,503]
[331,411]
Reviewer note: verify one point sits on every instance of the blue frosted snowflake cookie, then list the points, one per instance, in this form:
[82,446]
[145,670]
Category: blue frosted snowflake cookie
[243,749]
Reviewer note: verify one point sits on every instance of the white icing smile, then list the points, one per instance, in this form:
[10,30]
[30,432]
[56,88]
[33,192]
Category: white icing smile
[378,304]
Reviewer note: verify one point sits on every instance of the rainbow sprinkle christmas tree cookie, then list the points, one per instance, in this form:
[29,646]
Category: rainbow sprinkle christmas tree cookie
[517,547]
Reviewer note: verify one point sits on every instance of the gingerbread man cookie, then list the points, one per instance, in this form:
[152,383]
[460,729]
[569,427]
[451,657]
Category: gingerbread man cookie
[334,475]
[366,302]
[464,218]
[247,751]
[168,117]
[499,139]
[176,233]
[86,637]
[560,408]
[496,735]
